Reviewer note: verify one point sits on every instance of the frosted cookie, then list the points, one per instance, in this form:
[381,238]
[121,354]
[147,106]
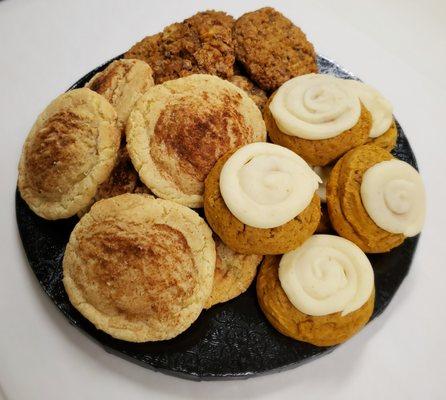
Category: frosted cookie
[317,116]
[375,200]
[122,83]
[321,293]
[383,132]
[261,199]
[69,152]
[271,48]
[139,268]
[178,130]
[234,273]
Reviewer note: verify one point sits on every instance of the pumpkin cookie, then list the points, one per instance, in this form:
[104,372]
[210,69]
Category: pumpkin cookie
[318,117]
[122,83]
[353,199]
[201,44]
[178,130]
[301,305]
[261,199]
[140,269]
[383,132]
[271,48]
[69,152]
[234,273]
[387,140]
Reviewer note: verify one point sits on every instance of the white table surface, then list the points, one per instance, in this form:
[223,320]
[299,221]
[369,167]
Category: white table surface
[397,46]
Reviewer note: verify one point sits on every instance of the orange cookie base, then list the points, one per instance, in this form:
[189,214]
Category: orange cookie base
[327,330]
[347,213]
[247,239]
[320,152]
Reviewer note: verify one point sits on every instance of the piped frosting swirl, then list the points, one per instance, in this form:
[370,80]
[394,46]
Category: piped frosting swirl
[378,106]
[327,274]
[315,107]
[394,197]
[265,185]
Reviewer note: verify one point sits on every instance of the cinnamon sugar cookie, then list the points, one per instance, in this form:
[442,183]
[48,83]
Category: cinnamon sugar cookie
[234,273]
[179,129]
[140,269]
[122,83]
[69,152]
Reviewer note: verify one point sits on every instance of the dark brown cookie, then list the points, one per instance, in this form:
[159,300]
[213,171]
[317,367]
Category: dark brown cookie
[200,44]
[257,95]
[271,48]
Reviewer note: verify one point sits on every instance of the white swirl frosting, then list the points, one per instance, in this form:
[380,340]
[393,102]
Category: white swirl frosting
[315,106]
[380,108]
[327,274]
[394,197]
[324,174]
[265,185]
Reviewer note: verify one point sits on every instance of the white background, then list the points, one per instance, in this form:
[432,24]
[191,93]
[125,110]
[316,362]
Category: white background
[397,46]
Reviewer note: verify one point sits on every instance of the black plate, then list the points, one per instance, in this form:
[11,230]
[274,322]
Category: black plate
[230,340]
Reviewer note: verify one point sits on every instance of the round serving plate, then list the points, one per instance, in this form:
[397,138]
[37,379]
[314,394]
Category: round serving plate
[231,340]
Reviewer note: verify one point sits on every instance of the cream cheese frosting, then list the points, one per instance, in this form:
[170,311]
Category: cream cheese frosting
[327,274]
[323,173]
[394,197]
[315,107]
[379,107]
[265,185]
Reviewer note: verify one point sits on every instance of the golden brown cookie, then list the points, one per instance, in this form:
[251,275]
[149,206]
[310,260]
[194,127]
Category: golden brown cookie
[179,129]
[123,179]
[139,268]
[346,210]
[324,223]
[122,83]
[201,44]
[271,48]
[233,274]
[69,152]
[246,239]
[387,140]
[257,95]
[324,151]
[327,330]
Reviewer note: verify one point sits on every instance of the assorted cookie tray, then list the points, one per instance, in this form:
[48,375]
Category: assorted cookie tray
[220,201]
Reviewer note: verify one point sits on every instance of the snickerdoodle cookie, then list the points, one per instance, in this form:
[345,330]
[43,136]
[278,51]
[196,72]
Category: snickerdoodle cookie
[261,199]
[375,200]
[123,179]
[271,48]
[321,293]
[139,268]
[179,129]
[69,152]
[233,274]
[122,83]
